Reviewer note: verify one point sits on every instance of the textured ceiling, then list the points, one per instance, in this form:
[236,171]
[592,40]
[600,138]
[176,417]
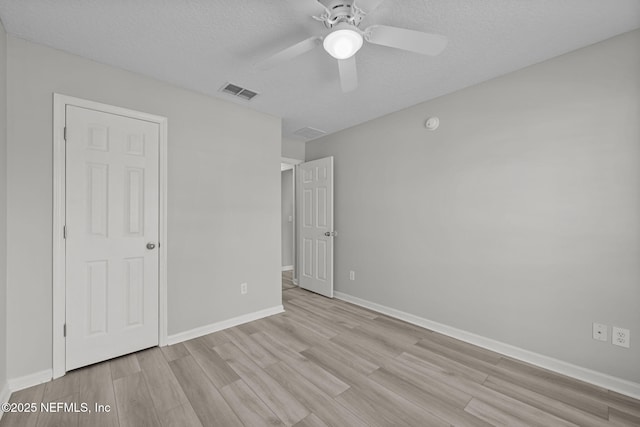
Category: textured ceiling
[202,44]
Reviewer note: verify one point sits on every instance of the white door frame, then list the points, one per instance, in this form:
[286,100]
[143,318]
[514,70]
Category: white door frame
[59,214]
[294,167]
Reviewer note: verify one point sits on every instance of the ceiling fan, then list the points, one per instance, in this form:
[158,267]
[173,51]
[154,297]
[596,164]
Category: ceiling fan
[345,38]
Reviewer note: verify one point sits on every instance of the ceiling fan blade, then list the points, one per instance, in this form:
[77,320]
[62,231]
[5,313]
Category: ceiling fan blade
[348,74]
[401,38]
[368,5]
[289,53]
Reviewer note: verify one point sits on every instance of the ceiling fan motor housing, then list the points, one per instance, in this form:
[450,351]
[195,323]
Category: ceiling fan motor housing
[339,11]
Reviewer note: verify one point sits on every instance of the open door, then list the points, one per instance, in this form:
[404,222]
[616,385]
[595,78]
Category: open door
[315,241]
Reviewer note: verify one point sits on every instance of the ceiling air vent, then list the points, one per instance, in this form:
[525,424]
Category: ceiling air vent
[309,133]
[238,91]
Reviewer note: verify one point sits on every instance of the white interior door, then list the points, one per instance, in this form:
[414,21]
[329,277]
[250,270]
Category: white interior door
[112,196]
[315,205]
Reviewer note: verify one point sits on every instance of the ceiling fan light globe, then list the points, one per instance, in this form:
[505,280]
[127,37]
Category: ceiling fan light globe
[343,43]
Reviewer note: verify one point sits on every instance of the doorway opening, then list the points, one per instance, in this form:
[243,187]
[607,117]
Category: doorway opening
[288,219]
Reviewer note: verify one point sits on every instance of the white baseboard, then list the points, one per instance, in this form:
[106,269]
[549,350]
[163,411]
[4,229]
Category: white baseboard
[609,382]
[295,281]
[218,326]
[287,267]
[5,395]
[20,383]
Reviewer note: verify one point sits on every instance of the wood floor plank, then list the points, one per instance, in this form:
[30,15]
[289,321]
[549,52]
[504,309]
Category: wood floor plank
[623,404]
[214,339]
[218,371]
[465,348]
[309,321]
[173,352]
[251,410]
[378,405]
[619,418]
[424,379]
[61,417]
[458,355]
[347,372]
[331,354]
[294,335]
[288,295]
[250,328]
[244,342]
[135,407]
[321,378]
[496,400]
[530,415]
[180,416]
[387,336]
[451,366]
[366,347]
[553,385]
[166,393]
[542,402]
[206,400]
[492,415]
[432,402]
[65,386]
[296,291]
[553,377]
[283,330]
[123,366]
[326,408]
[311,421]
[96,387]
[416,331]
[24,419]
[277,398]
[354,309]
[320,311]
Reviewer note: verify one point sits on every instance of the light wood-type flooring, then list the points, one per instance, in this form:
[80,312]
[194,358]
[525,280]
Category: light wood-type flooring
[323,363]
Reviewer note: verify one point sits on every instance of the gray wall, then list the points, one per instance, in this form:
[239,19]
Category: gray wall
[287,211]
[518,219]
[293,149]
[224,192]
[3,207]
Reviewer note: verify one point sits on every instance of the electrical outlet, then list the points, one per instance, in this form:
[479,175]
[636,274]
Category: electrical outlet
[352,275]
[600,332]
[243,288]
[620,337]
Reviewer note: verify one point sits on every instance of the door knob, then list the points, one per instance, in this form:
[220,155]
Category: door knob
[151,245]
[331,233]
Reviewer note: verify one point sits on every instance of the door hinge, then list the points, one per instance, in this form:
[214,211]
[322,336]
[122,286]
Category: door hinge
[64,133]
[64,231]
[64,330]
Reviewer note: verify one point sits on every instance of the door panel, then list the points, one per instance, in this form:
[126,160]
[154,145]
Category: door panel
[316,210]
[112,205]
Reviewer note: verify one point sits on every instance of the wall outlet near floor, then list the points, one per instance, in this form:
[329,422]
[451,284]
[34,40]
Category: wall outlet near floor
[352,275]
[620,337]
[243,288]
[600,332]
